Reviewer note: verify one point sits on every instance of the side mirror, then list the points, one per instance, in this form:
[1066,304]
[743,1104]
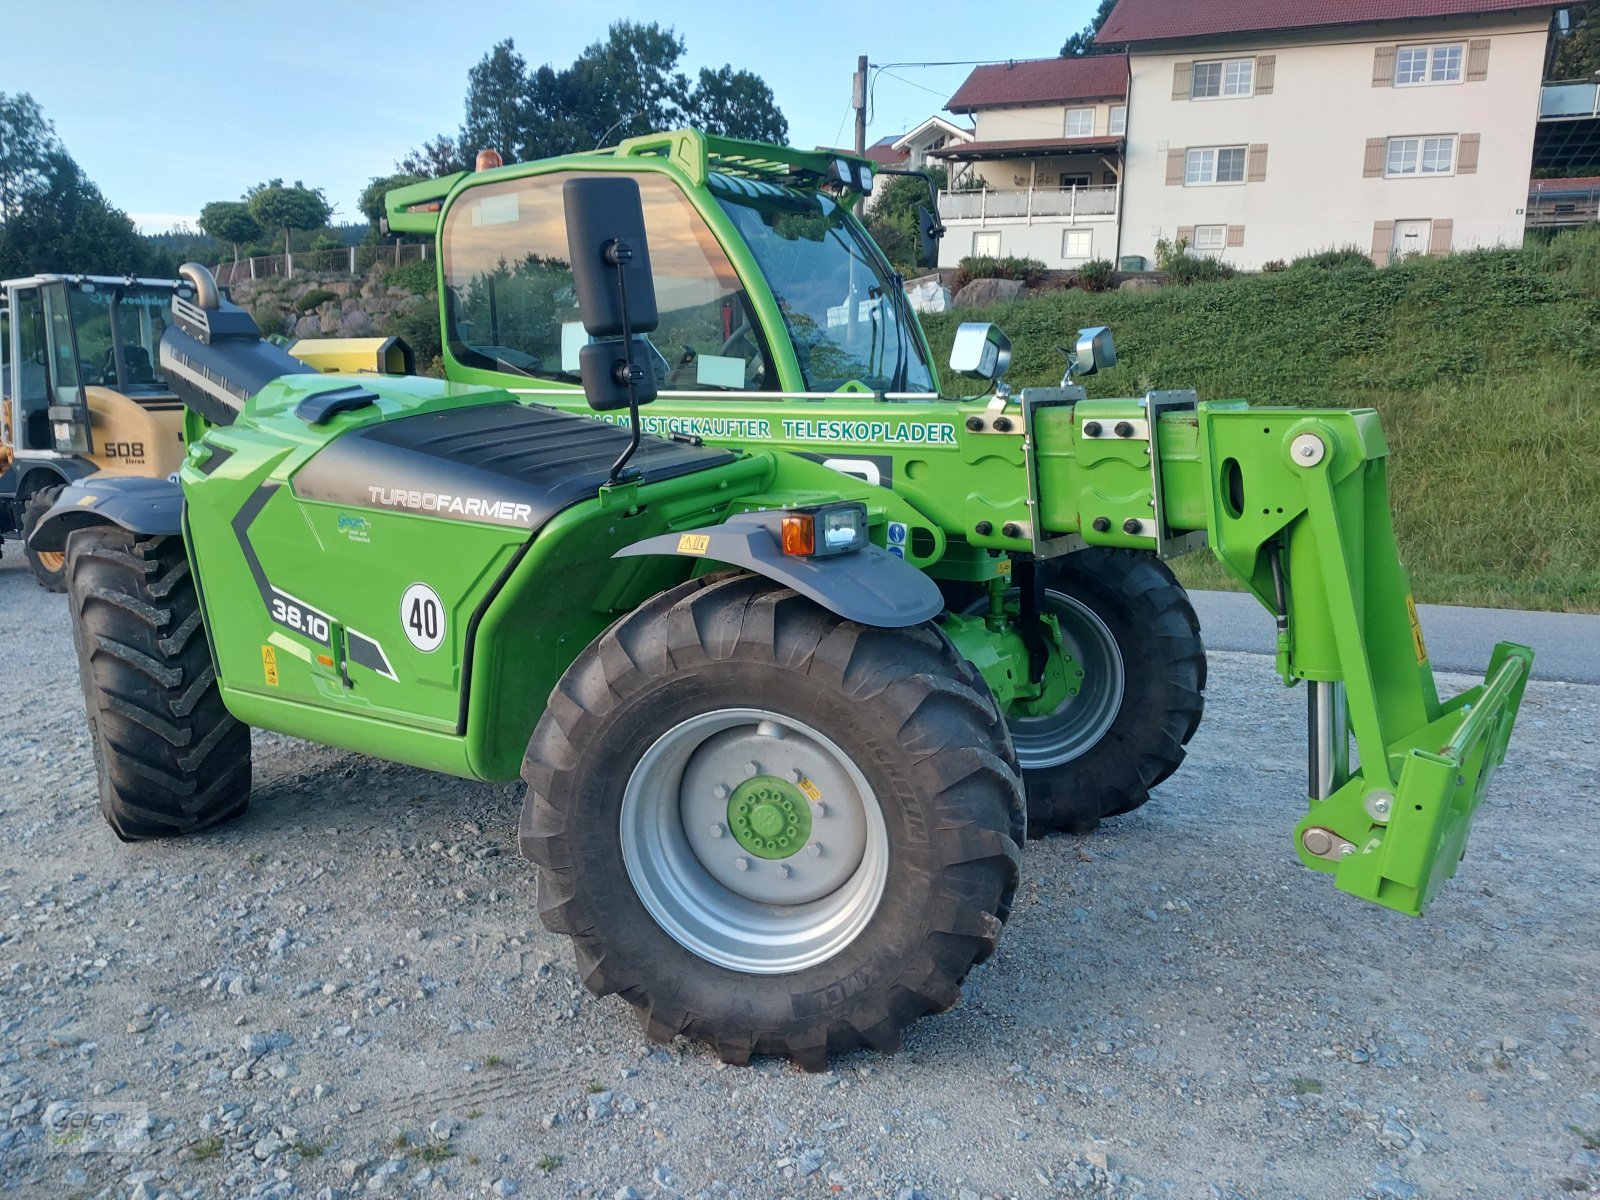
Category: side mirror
[616,292]
[1094,352]
[928,232]
[980,351]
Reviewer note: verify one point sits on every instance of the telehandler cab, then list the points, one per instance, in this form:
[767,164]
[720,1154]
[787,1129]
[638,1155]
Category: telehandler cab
[767,703]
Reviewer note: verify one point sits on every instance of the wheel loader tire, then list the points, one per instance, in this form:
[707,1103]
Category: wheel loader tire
[49,567]
[1132,628]
[169,757]
[769,828]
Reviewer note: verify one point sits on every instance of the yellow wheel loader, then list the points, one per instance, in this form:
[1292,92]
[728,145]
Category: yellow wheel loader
[83,394]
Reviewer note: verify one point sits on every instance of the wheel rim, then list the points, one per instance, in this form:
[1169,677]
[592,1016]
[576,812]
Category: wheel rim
[721,858]
[51,560]
[1083,719]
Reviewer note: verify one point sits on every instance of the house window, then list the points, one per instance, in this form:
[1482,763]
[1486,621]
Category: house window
[1231,77]
[1209,240]
[1214,164]
[1119,119]
[1420,156]
[1415,65]
[1071,180]
[1077,244]
[1080,122]
[986,244]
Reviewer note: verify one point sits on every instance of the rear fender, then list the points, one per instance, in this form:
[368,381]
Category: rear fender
[870,586]
[149,507]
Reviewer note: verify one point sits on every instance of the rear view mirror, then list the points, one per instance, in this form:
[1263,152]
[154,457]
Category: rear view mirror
[980,351]
[927,237]
[616,292]
[1094,352]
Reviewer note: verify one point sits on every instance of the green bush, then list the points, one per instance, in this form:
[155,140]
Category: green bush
[418,277]
[1096,274]
[311,299]
[1028,271]
[268,314]
[1190,268]
[1332,260]
[1273,265]
[417,320]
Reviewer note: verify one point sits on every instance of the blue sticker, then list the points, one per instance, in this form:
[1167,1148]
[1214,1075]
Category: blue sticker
[897,551]
[897,533]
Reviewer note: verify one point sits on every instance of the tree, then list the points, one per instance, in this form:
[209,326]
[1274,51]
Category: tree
[288,208]
[373,195]
[1577,53]
[1083,42]
[626,85]
[27,139]
[230,221]
[497,103]
[736,104]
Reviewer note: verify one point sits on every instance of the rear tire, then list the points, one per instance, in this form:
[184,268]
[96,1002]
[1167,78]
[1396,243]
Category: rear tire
[169,757]
[49,567]
[1131,613]
[889,726]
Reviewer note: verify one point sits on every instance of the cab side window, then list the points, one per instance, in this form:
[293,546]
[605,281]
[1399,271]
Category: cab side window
[511,306]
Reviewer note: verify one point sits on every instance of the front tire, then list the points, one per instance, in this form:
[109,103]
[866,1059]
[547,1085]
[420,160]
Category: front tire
[688,763]
[1128,624]
[49,566]
[169,757]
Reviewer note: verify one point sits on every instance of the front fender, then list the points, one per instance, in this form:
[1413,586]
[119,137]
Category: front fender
[150,507]
[871,585]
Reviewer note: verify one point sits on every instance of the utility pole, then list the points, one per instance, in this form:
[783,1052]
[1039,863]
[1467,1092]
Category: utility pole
[859,99]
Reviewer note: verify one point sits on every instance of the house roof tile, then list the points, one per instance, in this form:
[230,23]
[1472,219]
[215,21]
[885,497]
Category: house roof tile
[1555,187]
[1024,147]
[1043,81]
[1163,20]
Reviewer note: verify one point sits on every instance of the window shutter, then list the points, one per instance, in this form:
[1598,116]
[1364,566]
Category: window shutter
[1175,160]
[1467,153]
[1186,234]
[1382,241]
[1182,80]
[1383,66]
[1377,151]
[1235,235]
[1266,73]
[1477,60]
[1256,167]
[1439,239]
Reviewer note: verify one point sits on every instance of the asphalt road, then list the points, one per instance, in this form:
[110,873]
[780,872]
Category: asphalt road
[1566,645]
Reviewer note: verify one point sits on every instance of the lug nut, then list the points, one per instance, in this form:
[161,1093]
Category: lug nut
[1002,424]
[752,768]
[720,791]
[815,849]
[717,830]
[1131,525]
[1091,429]
[1011,529]
[983,528]
[1102,524]
[975,424]
[819,809]
[783,871]
[741,864]
[796,775]
[1124,429]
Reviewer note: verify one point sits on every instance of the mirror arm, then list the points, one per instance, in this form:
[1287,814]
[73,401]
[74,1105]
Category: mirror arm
[937,229]
[619,253]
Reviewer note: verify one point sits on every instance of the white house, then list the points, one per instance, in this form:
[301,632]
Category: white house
[1041,175]
[1265,129]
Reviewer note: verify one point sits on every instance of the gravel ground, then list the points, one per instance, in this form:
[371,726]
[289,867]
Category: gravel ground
[348,993]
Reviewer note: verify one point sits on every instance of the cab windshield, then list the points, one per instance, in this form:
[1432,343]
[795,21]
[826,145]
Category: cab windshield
[129,318]
[837,295]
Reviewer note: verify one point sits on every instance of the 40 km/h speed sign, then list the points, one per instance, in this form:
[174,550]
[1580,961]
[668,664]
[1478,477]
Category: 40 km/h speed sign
[422,617]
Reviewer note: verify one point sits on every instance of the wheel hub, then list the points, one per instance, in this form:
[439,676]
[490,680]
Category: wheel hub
[769,817]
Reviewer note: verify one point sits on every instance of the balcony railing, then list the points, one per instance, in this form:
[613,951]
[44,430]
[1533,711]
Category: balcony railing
[1569,101]
[987,204]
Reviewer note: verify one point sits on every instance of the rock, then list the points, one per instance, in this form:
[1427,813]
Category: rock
[627,1192]
[981,293]
[443,1129]
[268,1147]
[328,321]
[308,326]
[506,1187]
[928,295]
[1140,283]
[810,1161]
[601,1106]
[257,1044]
[279,941]
[355,323]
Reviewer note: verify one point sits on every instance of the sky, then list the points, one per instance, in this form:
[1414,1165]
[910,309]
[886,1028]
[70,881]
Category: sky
[167,104]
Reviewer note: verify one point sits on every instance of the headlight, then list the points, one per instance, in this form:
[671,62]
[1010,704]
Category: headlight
[824,530]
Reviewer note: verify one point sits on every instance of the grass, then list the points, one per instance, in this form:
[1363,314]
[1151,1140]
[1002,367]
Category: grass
[548,1162]
[1485,366]
[206,1149]
[310,1151]
[1304,1086]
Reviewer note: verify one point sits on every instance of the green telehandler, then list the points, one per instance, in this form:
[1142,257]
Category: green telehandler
[774,653]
